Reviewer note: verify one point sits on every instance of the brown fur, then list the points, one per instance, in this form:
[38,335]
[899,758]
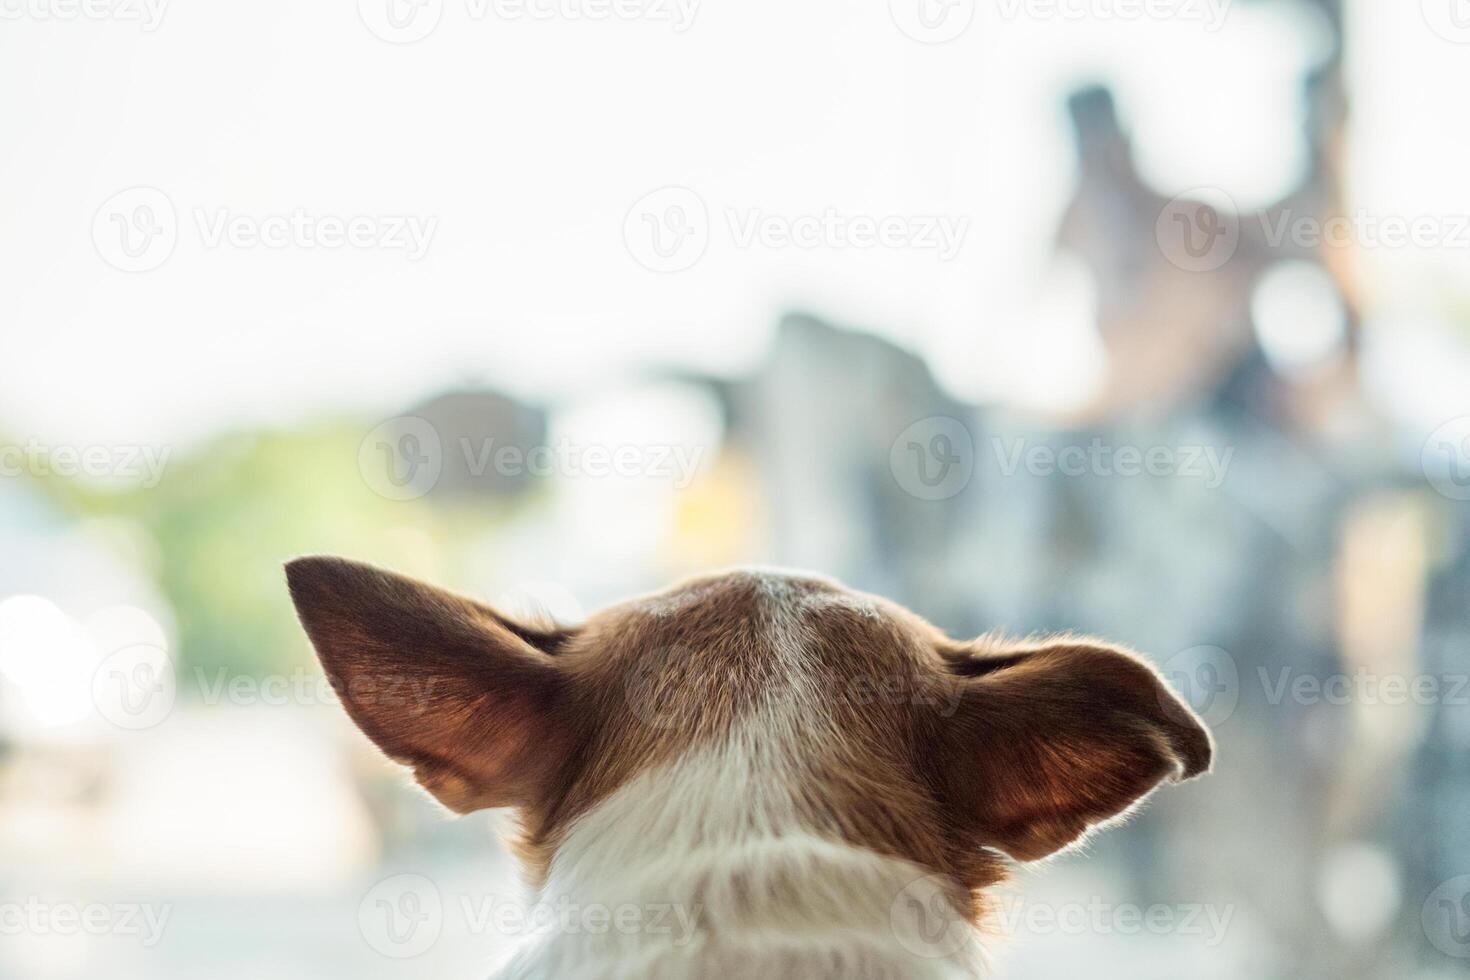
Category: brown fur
[936,752]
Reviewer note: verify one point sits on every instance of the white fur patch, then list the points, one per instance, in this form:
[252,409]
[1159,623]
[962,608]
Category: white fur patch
[707,863]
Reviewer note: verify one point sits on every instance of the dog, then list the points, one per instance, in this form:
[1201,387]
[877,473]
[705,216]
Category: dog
[816,781]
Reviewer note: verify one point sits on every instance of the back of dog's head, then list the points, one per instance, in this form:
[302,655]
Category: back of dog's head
[882,732]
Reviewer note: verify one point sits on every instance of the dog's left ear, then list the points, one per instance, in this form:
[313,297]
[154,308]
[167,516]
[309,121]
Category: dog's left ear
[470,700]
[1050,740]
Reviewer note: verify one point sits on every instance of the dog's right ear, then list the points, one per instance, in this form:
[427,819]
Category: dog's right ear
[471,701]
[1053,738]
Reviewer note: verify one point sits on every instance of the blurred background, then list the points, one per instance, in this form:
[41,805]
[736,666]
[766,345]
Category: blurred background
[1145,319]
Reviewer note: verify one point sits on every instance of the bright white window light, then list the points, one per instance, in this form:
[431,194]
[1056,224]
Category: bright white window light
[1299,317]
[48,657]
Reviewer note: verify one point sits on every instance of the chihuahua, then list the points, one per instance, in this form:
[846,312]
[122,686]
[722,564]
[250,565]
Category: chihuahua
[820,783]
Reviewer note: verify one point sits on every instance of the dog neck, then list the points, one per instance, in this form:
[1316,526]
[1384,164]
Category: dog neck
[706,866]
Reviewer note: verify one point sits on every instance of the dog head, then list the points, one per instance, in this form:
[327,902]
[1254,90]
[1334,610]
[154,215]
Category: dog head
[883,732]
